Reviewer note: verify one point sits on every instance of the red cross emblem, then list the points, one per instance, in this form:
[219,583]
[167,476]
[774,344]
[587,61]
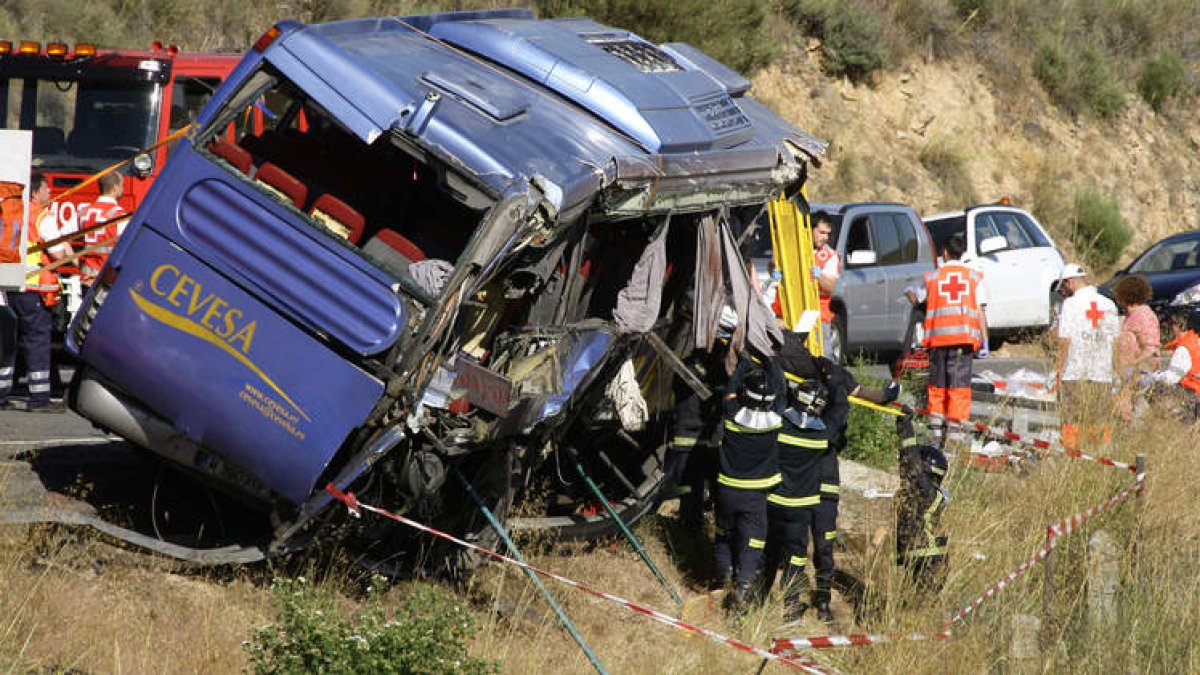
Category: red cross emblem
[1095,314]
[952,288]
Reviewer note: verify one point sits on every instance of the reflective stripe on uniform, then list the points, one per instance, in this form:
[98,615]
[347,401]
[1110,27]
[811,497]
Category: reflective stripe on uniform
[954,330]
[831,488]
[908,442]
[810,443]
[953,310]
[797,561]
[683,490]
[39,388]
[684,441]
[750,483]
[831,535]
[734,426]
[756,543]
[794,502]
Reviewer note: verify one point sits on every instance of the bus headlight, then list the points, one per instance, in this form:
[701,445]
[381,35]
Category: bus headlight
[143,164]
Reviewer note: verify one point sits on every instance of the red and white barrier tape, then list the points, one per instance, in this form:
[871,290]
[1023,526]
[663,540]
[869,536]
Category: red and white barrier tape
[786,645]
[1044,444]
[356,507]
[1053,533]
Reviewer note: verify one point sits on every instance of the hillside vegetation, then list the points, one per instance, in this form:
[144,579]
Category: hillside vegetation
[1077,109]
[1081,110]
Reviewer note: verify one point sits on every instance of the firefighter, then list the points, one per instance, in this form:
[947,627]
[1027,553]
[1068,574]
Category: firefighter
[106,209]
[919,506]
[792,505]
[801,366]
[33,310]
[748,469]
[954,330]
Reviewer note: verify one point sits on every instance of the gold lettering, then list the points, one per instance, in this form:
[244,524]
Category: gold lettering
[213,311]
[231,318]
[245,335]
[158,273]
[199,300]
[180,288]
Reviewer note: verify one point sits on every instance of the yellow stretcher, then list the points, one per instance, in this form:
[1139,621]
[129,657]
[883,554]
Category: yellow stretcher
[791,240]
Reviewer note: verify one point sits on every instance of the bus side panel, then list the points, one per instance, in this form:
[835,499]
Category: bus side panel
[224,369]
[286,263]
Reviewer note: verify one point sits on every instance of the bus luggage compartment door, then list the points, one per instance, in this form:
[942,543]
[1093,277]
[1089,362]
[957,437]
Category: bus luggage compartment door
[223,368]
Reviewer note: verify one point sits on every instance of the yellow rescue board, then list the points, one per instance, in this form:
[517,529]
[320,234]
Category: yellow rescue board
[791,240]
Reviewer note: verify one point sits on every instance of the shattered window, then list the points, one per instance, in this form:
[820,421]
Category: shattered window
[376,198]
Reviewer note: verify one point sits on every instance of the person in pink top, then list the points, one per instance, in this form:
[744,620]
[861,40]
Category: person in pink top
[1139,341]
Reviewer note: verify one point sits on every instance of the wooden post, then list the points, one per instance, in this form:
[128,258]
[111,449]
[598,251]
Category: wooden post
[1103,575]
[1024,649]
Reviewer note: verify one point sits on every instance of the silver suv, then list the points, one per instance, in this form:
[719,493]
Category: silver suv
[1019,262]
[884,249]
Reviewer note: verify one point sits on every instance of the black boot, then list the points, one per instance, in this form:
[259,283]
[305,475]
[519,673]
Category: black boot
[821,602]
[794,608]
[738,600]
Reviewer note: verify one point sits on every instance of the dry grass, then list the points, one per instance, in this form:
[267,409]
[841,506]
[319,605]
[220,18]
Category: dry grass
[62,614]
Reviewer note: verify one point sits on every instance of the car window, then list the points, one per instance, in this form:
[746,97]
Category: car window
[887,241]
[859,237]
[1033,231]
[908,238]
[943,228]
[985,228]
[1010,228]
[1167,257]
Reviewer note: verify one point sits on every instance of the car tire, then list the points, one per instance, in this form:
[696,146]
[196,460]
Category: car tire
[915,334]
[1055,302]
[836,349]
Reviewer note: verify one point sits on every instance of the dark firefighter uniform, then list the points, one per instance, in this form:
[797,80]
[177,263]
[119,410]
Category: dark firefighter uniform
[919,505]
[691,456]
[792,505]
[801,366]
[748,469]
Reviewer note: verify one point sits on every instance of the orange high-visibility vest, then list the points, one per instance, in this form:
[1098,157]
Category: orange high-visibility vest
[43,282]
[104,209]
[823,256]
[952,316]
[12,212]
[1191,342]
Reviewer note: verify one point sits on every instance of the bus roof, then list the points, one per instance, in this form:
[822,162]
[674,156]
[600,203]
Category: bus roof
[500,93]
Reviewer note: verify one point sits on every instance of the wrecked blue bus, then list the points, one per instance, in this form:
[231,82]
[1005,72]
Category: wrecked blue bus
[458,245]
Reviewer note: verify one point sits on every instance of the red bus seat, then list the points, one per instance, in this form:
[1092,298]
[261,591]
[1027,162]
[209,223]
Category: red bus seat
[283,183]
[238,157]
[339,216]
[394,251]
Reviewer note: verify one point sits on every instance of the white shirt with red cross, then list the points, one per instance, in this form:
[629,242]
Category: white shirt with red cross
[1089,320]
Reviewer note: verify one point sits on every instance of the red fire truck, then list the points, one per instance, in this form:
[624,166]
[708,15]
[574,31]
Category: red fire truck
[90,108]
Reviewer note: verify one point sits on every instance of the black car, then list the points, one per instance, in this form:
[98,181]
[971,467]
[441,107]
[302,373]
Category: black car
[1172,266]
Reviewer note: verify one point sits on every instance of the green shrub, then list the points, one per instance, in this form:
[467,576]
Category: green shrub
[871,438]
[1078,80]
[1100,233]
[851,35]
[1162,77]
[731,31]
[1100,88]
[1051,67]
[949,167]
[426,635]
